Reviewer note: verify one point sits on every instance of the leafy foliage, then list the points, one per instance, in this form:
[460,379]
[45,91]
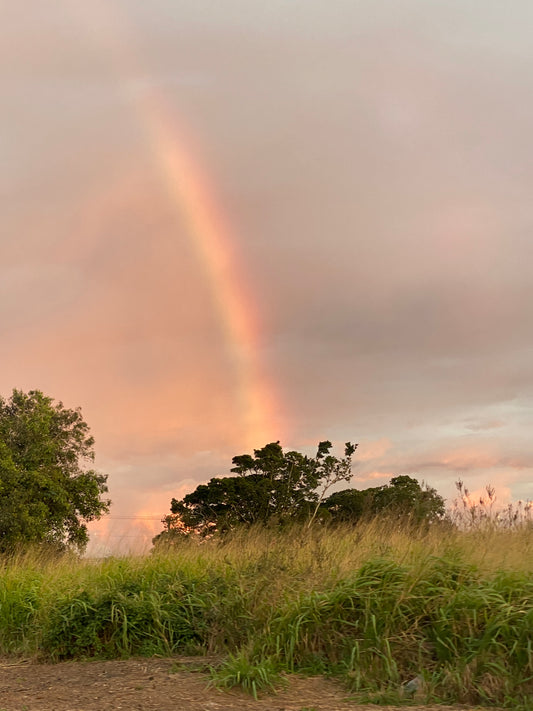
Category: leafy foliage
[376,605]
[281,487]
[46,495]
[272,485]
[404,497]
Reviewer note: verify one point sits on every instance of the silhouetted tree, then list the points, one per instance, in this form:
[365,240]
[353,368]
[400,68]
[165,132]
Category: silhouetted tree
[404,497]
[271,485]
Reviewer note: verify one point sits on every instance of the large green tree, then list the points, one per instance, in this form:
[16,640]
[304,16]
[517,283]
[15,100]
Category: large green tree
[270,485]
[47,491]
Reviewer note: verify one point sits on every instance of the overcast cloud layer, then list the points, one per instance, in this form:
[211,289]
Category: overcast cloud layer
[375,162]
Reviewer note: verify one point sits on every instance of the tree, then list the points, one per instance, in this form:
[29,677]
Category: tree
[332,470]
[348,505]
[271,485]
[402,498]
[46,494]
[405,497]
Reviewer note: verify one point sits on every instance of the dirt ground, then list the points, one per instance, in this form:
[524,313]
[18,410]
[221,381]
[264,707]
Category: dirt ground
[156,685]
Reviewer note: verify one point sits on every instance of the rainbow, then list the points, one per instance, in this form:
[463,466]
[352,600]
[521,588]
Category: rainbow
[190,192]
[189,189]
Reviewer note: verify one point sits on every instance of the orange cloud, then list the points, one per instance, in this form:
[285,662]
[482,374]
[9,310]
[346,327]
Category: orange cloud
[373,449]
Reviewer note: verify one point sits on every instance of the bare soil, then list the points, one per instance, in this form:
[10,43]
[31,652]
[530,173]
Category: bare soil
[156,685]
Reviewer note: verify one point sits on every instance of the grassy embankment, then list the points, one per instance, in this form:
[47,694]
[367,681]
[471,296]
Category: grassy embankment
[373,605]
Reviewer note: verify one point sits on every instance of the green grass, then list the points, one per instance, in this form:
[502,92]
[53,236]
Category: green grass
[374,606]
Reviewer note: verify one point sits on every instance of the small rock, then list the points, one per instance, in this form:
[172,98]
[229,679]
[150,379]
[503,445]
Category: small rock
[412,686]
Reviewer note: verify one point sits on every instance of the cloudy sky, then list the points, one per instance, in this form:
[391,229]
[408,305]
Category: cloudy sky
[225,224]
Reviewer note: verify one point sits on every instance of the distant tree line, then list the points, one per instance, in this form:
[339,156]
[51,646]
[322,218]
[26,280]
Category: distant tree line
[276,487]
[49,492]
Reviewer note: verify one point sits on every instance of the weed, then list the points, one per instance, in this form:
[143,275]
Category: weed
[252,676]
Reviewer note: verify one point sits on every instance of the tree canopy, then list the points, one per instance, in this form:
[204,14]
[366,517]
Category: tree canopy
[271,485]
[47,495]
[404,497]
[276,486]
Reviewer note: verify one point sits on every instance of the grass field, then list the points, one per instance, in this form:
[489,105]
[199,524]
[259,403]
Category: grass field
[375,605]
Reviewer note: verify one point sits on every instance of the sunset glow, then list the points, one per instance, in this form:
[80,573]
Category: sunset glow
[226,224]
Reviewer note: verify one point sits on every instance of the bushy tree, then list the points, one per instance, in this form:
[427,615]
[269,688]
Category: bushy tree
[348,505]
[271,485]
[404,497]
[47,495]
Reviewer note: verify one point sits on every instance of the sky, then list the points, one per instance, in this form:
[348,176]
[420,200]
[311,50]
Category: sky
[225,224]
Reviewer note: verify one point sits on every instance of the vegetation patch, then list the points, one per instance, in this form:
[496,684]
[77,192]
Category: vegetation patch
[376,605]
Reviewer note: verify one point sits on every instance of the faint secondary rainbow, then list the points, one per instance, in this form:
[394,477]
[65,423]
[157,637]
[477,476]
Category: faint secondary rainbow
[189,189]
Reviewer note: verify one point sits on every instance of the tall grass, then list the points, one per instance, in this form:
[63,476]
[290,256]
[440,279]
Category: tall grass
[374,605]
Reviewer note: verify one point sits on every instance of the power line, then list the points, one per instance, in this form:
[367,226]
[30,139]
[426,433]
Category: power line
[117,535]
[134,518]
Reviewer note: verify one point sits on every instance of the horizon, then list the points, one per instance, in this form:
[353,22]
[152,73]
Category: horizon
[231,225]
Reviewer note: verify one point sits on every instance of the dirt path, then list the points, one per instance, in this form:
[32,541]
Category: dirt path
[154,685]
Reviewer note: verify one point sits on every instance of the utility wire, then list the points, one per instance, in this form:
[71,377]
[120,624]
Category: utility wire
[133,518]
